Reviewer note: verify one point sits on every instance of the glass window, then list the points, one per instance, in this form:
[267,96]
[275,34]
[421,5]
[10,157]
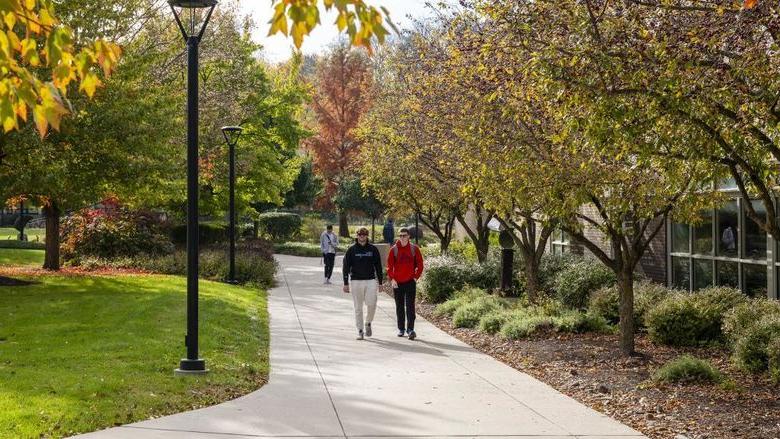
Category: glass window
[728,184]
[680,238]
[755,237]
[728,232]
[702,235]
[755,280]
[681,273]
[702,273]
[728,274]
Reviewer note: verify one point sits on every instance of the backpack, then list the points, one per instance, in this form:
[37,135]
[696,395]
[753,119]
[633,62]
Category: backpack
[413,249]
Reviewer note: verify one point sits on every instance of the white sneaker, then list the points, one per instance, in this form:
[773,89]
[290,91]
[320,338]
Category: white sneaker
[360,335]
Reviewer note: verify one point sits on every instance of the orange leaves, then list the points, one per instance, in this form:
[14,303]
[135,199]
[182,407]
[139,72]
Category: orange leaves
[750,4]
[30,37]
[297,18]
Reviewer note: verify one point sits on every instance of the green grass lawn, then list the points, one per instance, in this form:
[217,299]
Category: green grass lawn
[79,354]
[23,257]
[32,234]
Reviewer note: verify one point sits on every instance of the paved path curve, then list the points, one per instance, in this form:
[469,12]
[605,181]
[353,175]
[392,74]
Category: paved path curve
[326,384]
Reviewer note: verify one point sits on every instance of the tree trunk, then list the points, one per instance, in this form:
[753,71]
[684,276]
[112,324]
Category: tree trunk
[256,229]
[626,284]
[444,243]
[531,278]
[52,255]
[482,249]
[343,225]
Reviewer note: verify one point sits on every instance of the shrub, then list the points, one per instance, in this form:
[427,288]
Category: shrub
[468,315]
[15,244]
[208,233]
[94,233]
[692,319]
[461,298]
[312,227]
[280,226]
[484,275]
[298,249]
[744,316]
[574,283]
[688,369]
[773,351]
[462,250]
[442,277]
[521,324]
[551,265]
[492,322]
[751,350]
[579,322]
[605,302]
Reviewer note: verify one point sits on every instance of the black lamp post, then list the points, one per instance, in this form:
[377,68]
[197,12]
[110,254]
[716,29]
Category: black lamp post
[192,31]
[232,135]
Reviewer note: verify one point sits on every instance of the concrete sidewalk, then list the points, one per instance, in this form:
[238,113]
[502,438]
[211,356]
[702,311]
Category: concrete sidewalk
[324,383]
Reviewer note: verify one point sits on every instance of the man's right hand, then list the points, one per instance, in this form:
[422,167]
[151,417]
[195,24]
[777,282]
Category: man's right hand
[346,289]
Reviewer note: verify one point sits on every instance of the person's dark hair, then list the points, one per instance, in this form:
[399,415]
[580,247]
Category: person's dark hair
[330,227]
[404,230]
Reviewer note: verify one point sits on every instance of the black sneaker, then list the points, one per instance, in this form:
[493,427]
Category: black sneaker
[360,335]
[401,333]
[412,335]
[368,330]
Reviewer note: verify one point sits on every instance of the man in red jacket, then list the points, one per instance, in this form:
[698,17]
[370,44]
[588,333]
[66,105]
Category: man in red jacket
[404,267]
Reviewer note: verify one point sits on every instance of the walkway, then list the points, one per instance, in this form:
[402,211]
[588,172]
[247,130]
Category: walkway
[324,383]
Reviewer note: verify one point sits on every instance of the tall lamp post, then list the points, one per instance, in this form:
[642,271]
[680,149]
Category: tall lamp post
[232,135]
[192,31]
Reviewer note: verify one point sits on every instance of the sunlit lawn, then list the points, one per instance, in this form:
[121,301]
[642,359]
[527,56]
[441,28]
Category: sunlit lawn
[32,234]
[79,354]
[21,257]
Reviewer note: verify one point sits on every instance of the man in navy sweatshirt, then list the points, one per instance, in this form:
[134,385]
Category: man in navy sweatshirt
[363,265]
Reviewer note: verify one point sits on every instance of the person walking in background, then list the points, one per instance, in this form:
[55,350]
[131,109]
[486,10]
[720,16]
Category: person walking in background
[329,242]
[363,265]
[388,232]
[404,268]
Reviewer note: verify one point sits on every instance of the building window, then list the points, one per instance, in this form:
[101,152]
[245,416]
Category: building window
[681,273]
[728,229]
[561,242]
[681,238]
[755,237]
[726,248]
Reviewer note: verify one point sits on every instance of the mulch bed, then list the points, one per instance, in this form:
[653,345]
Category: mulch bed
[68,271]
[590,369]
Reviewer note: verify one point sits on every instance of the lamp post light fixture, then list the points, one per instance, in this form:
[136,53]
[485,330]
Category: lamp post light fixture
[192,31]
[232,134]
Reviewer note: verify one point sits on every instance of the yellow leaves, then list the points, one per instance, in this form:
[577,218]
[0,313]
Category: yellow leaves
[298,18]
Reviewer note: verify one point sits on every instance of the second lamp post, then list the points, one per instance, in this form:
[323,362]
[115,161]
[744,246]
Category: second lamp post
[232,135]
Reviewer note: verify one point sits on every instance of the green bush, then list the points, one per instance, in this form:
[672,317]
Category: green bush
[773,351]
[692,319]
[744,316]
[484,275]
[442,277]
[551,265]
[751,350]
[312,227]
[465,296]
[468,315]
[605,302]
[280,226]
[575,282]
[298,249]
[492,322]
[208,233]
[688,369]
[521,324]
[579,322]
[462,250]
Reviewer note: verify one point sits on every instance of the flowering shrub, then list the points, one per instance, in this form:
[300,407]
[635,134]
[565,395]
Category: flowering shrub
[112,233]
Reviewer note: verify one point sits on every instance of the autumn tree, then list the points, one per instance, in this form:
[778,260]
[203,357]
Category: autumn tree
[342,95]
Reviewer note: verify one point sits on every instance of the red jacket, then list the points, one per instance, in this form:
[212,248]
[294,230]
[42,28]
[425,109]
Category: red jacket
[404,269]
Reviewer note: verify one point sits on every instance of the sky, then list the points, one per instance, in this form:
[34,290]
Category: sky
[278,48]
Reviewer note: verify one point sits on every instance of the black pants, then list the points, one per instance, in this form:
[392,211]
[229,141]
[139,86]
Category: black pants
[405,295]
[330,260]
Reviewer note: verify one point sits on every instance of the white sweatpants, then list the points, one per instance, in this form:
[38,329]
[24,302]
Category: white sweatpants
[363,291]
